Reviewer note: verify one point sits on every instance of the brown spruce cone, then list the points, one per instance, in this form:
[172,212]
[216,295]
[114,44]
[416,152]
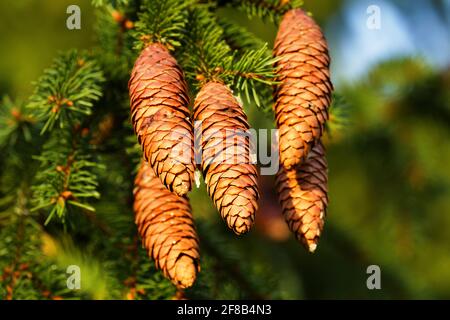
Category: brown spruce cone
[304,94]
[165,223]
[230,176]
[303,196]
[160,115]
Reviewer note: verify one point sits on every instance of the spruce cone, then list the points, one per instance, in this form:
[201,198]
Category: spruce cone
[160,115]
[230,177]
[165,223]
[303,196]
[304,93]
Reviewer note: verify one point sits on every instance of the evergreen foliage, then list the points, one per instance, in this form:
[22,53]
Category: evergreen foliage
[66,179]
[66,92]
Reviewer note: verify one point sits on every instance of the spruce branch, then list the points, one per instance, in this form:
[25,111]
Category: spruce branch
[161,21]
[339,113]
[66,177]
[67,90]
[15,122]
[115,42]
[206,51]
[25,272]
[19,139]
[253,74]
[271,10]
[114,3]
[210,58]
[252,68]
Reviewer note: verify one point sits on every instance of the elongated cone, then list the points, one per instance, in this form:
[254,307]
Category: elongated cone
[303,196]
[230,175]
[304,94]
[165,223]
[160,115]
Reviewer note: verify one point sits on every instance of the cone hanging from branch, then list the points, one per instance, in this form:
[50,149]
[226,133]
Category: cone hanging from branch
[303,95]
[160,115]
[230,175]
[302,193]
[165,223]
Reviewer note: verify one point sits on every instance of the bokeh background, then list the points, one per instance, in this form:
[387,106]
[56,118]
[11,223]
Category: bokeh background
[388,151]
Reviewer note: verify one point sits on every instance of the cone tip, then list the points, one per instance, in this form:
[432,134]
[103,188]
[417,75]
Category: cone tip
[241,225]
[241,230]
[186,272]
[310,244]
[181,189]
[312,247]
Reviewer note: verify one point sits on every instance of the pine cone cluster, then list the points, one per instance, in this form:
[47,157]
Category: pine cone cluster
[302,98]
[161,120]
[163,124]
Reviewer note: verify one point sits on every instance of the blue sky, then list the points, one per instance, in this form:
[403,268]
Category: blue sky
[411,28]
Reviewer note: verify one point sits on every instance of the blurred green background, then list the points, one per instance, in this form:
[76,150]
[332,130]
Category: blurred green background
[389,172]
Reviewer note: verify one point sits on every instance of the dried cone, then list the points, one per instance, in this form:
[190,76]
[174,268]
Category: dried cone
[304,94]
[303,196]
[230,175]
[160,115]
[165,223]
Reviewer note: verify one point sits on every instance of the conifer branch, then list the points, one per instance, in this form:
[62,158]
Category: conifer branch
[64,96]
[252,68]
[15,122]
[25,273]
[114,29]
[66,177]
[210,58]
[162,22]
[271,10]
[339,116]
[66,91]
[206,51]
[114,3]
